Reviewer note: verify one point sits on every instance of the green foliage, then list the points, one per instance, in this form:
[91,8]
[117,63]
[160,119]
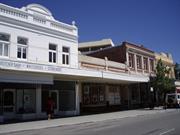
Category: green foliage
[177,71]
[162,82]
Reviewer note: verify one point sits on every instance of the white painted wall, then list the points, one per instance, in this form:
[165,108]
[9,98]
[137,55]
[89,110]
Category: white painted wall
[22,22]
[38,46]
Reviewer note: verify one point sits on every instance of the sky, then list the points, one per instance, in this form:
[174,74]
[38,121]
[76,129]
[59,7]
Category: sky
[155,24]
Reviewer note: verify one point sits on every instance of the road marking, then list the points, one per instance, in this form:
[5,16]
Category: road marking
[170,130]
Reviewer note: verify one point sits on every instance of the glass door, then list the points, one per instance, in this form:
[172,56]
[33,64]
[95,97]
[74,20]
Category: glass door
[54,95]
[9,103]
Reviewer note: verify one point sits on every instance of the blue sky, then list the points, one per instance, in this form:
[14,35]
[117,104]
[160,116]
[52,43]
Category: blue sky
[152,23]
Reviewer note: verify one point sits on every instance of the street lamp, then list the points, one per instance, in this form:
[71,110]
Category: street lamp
[152,97]
[151,89]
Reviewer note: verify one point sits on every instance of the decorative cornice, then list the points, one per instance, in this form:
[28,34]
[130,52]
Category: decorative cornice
[23,15]
[18,24]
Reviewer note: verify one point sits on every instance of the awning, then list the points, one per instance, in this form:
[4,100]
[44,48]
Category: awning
[14,77]
[177,83]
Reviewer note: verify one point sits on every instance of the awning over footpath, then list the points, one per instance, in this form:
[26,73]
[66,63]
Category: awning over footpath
[26,72]
[16,77]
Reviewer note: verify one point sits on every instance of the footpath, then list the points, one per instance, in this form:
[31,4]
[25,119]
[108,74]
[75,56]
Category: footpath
[7,128]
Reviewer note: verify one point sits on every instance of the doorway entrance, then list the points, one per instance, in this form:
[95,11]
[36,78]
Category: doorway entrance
[54,94]
[9,103]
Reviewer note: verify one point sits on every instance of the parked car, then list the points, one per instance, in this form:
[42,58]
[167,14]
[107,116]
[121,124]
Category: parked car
[173,100]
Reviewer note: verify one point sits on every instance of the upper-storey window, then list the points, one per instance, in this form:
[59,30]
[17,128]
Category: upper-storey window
[65,55]
[22,47]
[151,65]
[139,63]
[145,63]
[4,44]
[131,60]
[52,53]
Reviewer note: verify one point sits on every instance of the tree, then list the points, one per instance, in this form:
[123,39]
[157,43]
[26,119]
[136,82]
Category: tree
[162,83]
[177,71]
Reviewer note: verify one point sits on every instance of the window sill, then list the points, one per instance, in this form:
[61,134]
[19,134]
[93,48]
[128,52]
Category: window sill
[51,63]
[64,65]
[4,57]
[20,59]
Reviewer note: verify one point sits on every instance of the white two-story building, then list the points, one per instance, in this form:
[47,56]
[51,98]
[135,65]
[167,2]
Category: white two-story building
[36,52]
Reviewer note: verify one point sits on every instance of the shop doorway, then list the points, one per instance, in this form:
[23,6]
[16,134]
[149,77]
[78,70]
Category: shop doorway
[54,94]
[9,103]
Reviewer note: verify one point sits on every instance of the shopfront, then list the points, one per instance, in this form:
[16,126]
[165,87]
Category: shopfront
[114,94]
[63,95]
[99,97]
[17,98]
[23,101]
[93,94]
[134,96]
[145,94]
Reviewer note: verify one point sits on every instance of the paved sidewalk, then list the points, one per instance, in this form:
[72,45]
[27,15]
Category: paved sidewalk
[7,128]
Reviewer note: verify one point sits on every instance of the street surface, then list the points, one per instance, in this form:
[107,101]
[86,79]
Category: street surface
[153,124]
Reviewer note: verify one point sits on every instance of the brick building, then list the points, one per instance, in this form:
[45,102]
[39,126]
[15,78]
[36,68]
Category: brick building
[138,61]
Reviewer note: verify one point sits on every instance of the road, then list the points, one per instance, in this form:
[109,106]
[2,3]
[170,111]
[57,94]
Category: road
[153,124]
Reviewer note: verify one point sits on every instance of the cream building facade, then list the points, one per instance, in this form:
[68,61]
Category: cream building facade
[167,60]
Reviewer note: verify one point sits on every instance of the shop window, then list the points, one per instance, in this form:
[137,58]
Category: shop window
[29,101]
[8,101]
[8,98]
[26,101]
[114,95]
[86,95]
[144,92]
[93,94]
[135,93]
[67,95]
[4,44]
[52,53]
[1,102]
[44,98]
[101,95]
[65,55]
[22,47]
[19,100]
[67,100]
[54,96]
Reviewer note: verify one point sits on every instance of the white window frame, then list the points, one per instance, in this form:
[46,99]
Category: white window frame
[66,54]
[52,54]
[147,64]
[22,46]
[131,61]
[4,43]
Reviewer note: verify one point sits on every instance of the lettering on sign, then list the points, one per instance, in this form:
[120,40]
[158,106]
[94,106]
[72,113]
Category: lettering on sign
[27,66]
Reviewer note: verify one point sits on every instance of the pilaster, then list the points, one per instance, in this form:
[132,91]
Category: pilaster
[77,90]
[38,98]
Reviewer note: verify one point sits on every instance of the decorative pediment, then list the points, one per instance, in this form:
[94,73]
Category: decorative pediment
[38,10]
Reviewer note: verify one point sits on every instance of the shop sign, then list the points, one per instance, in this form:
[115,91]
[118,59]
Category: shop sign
[4,64]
